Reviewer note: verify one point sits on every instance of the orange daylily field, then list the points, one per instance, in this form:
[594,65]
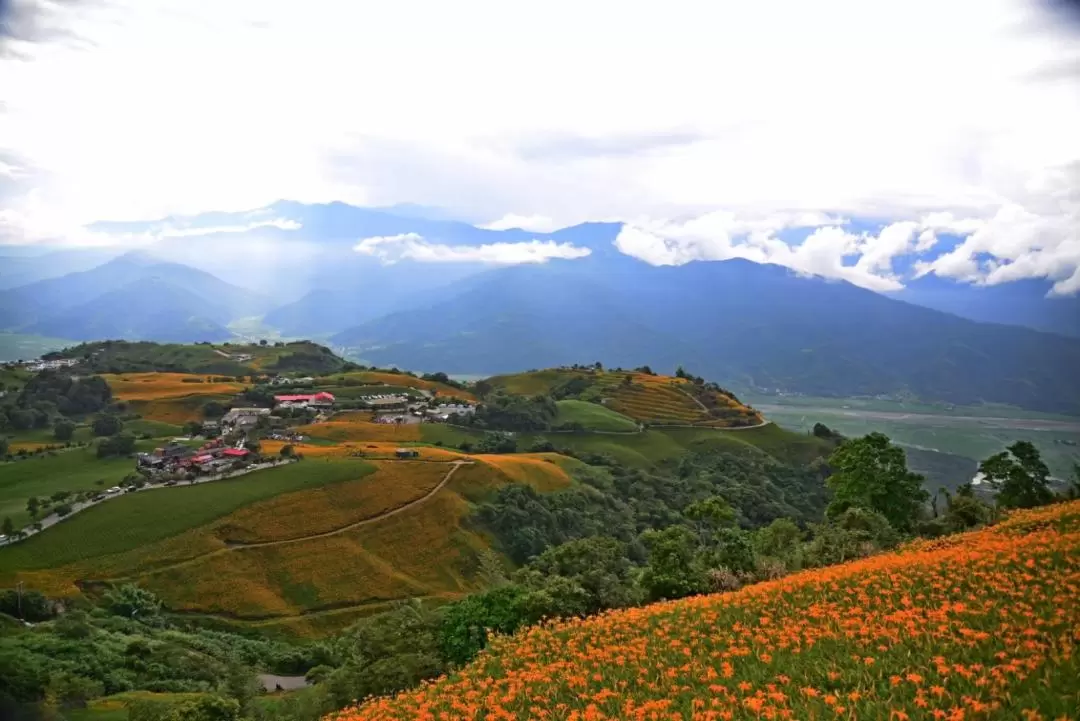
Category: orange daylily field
[983,625]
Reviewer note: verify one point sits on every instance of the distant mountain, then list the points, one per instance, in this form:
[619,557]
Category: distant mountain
[1023,302]
[23,269]
[145,309]
[753,326]
[189,303]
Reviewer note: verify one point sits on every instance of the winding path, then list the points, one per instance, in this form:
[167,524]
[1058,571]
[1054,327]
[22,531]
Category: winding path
[239,546]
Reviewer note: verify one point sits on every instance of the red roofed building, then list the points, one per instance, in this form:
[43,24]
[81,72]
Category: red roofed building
[236,453]
[205,458]
[313,399]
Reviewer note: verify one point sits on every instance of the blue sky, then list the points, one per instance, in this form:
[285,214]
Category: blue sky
[712,129]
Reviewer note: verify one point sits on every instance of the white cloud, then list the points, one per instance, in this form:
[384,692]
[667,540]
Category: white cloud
[535,223]
[412,246]
[824,252]
[763,110]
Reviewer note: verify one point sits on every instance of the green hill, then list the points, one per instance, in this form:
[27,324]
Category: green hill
[593,417]
[116,356]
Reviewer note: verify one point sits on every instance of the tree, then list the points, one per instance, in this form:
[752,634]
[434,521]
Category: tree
[64,430]
[870,472]
[780,539]
[131,601]
[8,528]
[213,409]
[119,445]
[287,451]
[33,506]
[1019,476]
[3,442]
[106,425]
[673,570]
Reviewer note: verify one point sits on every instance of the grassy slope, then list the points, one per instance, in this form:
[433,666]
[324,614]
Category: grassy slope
[425,551]
[71,470]
[593,417]
[138,519]
[980,625]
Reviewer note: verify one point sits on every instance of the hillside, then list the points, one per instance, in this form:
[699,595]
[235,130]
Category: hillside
[134,296]
[911,634]
[145,309]
[757,326]
[117,356]
[242,550]
[657,400]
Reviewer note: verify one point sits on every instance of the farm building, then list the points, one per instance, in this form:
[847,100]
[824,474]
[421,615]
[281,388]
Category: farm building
[407,453]
[304,400]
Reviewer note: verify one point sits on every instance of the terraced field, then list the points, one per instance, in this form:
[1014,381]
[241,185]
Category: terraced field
[653,399]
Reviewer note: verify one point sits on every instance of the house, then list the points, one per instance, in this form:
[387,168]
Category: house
[174,451]
[236,453]
[234,415]
[304,400]
[407,453]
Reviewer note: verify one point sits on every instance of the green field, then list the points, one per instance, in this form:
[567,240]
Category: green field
[594,417]
[969,436]
[77,469]
[137,519]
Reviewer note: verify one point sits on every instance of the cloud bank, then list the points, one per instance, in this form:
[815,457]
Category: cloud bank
[411,246]
[738,119]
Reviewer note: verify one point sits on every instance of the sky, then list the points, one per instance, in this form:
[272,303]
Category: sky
[709,128]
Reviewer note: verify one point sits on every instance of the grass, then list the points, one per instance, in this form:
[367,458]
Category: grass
[115,707]
[76,469]
[980,625]
[138,519]
[419,552]
[594,417]
[389,485]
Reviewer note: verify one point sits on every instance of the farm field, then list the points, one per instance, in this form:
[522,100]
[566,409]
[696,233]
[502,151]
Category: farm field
[77,469]
[395,380]
[331,537]
[156,386]
[323,562]
[135,520]
[594,417]
[912,634]
[653,399]
[357,426]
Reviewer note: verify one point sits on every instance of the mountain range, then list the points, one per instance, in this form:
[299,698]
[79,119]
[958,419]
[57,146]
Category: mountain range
[422,294]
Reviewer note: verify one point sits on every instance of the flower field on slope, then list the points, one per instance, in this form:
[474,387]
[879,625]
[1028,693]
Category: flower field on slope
[983,625]
[155,386]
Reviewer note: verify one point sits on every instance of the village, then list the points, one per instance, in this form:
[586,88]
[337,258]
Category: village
[230,444]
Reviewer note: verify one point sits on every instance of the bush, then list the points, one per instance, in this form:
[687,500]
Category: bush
[106,425]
